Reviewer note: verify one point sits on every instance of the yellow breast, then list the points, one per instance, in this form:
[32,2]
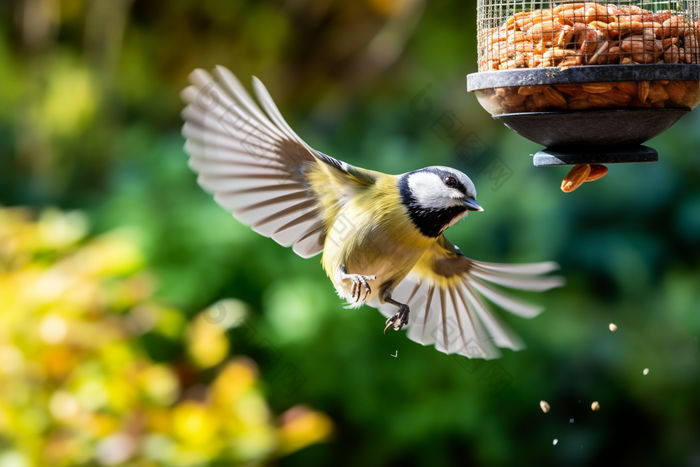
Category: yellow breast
[372,234]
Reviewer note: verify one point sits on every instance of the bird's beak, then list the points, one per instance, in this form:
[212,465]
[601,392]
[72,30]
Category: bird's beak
[472,205]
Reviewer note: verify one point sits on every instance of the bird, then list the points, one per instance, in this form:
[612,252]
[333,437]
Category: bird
[381,236]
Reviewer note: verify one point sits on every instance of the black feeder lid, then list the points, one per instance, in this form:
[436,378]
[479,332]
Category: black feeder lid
[604,136]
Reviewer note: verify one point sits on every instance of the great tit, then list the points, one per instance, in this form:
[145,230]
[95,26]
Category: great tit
[381,235]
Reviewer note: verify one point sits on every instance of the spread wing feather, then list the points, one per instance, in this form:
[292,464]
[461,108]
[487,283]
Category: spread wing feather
[255,164]
[448,295]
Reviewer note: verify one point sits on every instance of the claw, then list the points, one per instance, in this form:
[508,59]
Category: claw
[368,290]
[399,320]
[389,323]
[358,282]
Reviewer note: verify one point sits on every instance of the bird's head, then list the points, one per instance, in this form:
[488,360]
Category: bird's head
[437,197]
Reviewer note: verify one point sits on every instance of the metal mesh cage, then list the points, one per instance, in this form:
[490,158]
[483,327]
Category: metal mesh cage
[532,34]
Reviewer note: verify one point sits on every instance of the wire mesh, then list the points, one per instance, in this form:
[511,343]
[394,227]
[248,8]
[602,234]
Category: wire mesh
[531,34]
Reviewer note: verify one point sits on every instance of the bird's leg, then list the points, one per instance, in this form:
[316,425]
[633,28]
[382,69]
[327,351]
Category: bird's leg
[400,319]
[358,281]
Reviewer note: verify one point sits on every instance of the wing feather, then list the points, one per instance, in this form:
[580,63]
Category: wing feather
[529,268]
[306,245]
[538,284]
[272,110]
[231,83]
[501,334]
[505,301]
[459,319]
[475,343]
[255,165]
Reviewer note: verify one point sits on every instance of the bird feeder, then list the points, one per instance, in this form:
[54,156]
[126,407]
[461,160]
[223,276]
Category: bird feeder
[590,81]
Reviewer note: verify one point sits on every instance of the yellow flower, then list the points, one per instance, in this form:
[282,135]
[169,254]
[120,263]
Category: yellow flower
[301,427]
[235,379]
[206,342]
[193,423]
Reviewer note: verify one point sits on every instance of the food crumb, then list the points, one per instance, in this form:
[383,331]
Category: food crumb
[595,406]
[544,406]
[646,371]
[613,327]
[554,443]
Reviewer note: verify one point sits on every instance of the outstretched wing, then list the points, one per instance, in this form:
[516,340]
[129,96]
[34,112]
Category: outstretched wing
[257,167]
[448,293]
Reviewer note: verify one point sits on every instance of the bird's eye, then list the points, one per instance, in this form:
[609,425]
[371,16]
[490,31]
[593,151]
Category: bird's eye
[450,182]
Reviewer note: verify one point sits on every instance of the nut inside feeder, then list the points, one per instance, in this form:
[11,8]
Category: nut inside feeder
[590,81]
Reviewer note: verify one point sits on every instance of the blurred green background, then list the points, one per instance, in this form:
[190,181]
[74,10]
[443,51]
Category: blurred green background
[142,325]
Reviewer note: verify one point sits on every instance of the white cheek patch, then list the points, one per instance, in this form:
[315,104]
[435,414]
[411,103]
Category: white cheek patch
[431,192]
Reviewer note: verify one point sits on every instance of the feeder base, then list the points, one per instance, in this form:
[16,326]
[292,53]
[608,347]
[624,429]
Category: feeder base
[594,155]
[601,128]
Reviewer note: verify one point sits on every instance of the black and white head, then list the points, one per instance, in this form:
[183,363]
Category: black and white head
[437,197]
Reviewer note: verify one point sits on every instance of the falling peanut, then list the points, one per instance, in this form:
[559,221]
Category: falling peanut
[575,178]
[544,406]
[597,171]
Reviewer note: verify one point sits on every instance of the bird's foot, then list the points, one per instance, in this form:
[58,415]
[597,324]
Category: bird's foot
[399,320]
[358,283]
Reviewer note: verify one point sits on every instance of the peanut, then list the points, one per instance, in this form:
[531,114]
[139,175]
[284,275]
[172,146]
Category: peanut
[677,26]
[572,89]
[627,26]
[643,90]
[597,87]
[575,178]
[672,54]
[540,100]
[668,42]
[588,39]
[555,98]
[565,36]
[644,58]
[545,30]
[631,10]
[675,91]
[657,93]
[616,96]
[531,106]
[530,90]
[628,87]
[580,104]
[596,56]
[598,101]
[614,53]
[571,61]
[597,171]
[690,98]
[514,100]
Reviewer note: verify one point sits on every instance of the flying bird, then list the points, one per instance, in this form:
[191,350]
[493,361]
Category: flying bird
[381,235]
